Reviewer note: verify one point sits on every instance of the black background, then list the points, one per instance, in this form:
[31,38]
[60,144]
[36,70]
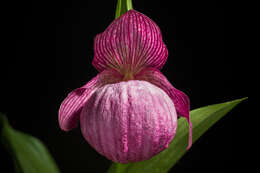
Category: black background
[48,53]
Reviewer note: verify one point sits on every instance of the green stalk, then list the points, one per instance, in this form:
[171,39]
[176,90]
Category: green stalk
[122,7]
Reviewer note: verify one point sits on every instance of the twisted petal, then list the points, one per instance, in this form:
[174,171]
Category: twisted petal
[129,43]
[70,108]
[180,99]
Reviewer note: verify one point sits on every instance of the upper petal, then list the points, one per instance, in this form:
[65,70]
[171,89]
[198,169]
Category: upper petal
[129,43]
[71,106]
[180,99]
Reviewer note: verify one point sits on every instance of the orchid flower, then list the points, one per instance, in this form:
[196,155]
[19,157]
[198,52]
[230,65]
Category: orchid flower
[129,111]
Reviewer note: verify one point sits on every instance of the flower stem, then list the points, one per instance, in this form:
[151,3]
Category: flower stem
[122,7]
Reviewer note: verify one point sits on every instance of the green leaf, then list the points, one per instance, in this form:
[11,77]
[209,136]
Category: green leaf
[29,154]
[202,119]
[122,7]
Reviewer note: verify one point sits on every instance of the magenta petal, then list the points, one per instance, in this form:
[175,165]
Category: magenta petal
[131,42]
[121,121]
[180,99]
[71,106]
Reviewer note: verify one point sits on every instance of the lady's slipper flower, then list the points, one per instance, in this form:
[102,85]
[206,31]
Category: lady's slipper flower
[128,112]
